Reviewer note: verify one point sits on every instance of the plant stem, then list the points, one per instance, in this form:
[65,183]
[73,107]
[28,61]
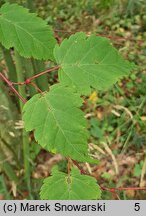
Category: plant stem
[36,87]
[10,84]
[42,82]
[122,189]
[44,72]
[114,38]
[78,166]
[10,148]
[9,63]
[28,81]
[112,190]
[29,71]
[20,76]
[7,168]
[3,183]
[25,136]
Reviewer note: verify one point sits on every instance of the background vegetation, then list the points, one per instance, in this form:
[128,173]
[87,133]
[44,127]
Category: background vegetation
[117,118]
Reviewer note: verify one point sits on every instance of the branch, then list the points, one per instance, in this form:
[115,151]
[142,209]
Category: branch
[28,81]
[112,190]
[115,38]
[121,189]
[10,84]
[78,166]
[36,87]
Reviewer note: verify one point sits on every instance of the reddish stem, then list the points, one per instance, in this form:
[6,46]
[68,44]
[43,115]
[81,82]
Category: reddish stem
[122,189]
[28,81]
[10,84]
[80,168]
[102,35]
[36,87]
[112,190]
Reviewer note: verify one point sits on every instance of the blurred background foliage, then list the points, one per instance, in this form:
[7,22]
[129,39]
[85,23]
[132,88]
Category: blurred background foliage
[116,119]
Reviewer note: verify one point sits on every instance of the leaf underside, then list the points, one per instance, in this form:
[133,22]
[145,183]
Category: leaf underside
[58,124]
[90,62]
[27,33]
[60,186]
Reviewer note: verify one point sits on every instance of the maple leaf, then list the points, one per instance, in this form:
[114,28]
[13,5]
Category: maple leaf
[58,123]
[90,62]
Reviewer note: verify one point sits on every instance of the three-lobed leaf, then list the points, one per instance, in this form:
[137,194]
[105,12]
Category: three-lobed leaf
[61,186]
[90,62]
[58,123]
[27,33]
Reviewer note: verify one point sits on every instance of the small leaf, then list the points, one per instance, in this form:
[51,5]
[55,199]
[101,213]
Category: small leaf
[58,124]
[60,186]
[90,62]
[27,33]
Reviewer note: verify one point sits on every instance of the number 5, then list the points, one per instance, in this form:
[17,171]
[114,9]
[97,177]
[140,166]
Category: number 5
[137,207]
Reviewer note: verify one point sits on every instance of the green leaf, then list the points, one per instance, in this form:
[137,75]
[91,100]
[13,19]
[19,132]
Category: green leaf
[90,62]
[138,169]
[27,33]
[61,186]
[58,123]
